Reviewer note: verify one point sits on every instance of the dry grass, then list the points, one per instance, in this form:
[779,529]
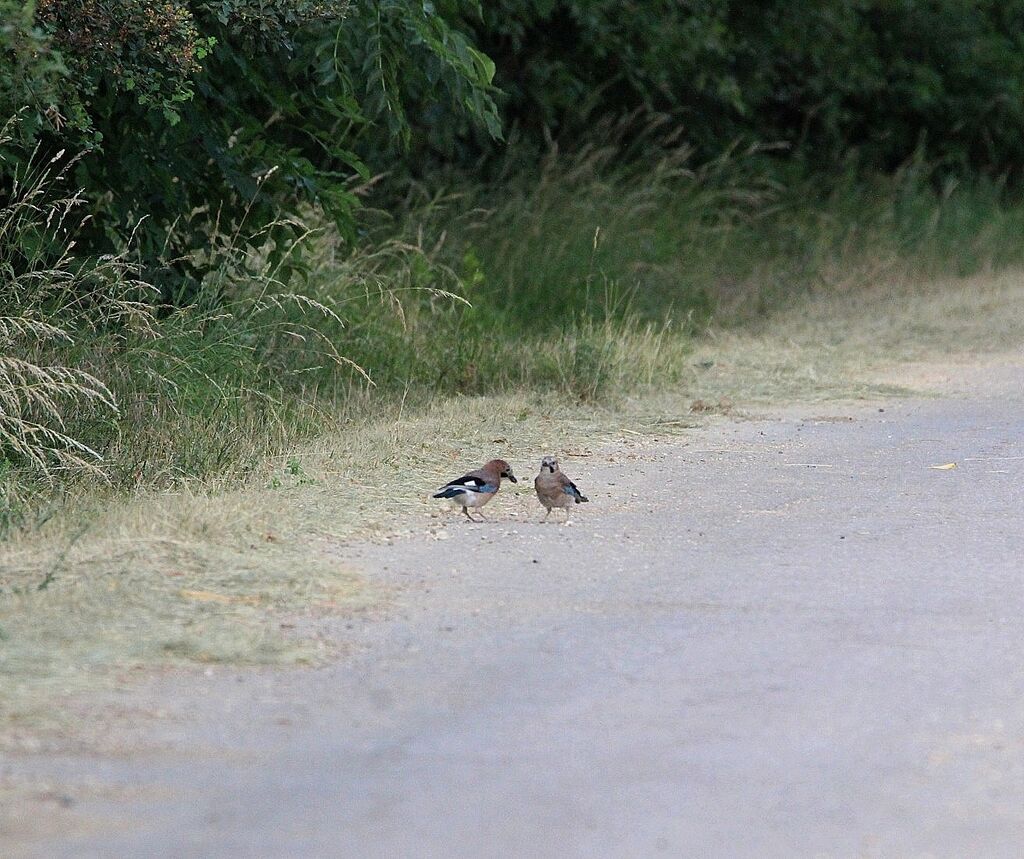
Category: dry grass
[162,580]
[838,346]
[181,578]
[48,300]
[236,576]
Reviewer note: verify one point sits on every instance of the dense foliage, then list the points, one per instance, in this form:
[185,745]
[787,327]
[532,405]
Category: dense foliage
[223,115]
[879,78]
[204,114]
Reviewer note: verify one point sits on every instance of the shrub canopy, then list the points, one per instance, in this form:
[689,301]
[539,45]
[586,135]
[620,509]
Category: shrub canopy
[205,115]
[880,77]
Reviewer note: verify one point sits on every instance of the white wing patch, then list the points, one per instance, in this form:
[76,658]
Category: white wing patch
[468,484]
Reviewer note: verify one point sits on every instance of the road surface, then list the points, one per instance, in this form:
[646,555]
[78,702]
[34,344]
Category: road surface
[788,636]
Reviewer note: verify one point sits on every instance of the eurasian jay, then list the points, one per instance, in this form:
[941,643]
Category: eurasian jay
[478,487]
[554,489]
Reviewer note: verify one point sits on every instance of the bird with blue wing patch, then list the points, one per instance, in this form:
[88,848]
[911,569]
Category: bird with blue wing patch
[478,487]
[554,489]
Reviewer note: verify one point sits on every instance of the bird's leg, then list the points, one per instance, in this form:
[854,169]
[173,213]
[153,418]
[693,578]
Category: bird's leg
[545,519]
[466,511]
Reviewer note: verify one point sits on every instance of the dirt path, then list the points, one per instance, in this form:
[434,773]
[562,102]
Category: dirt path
[777,637]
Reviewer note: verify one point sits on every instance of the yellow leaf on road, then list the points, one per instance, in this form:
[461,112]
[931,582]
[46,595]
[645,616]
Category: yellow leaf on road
[949,466]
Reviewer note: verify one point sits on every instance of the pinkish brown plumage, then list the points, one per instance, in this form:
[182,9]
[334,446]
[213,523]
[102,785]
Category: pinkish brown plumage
[478,487]
[555,489]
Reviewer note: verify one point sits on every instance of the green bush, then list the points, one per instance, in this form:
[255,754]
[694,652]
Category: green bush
[203,116]
[881,78]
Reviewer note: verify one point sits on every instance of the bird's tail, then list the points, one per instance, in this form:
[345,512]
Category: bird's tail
[574,491]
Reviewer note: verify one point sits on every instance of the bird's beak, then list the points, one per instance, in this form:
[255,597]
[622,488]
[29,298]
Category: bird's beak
[511,477]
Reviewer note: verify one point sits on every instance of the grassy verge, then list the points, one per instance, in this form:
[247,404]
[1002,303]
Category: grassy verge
[587,279]
[210,461]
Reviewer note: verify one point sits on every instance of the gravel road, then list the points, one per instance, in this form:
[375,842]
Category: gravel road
[788,636]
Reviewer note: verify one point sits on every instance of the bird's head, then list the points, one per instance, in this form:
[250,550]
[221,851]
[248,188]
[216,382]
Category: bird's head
[549,463]
[503,468]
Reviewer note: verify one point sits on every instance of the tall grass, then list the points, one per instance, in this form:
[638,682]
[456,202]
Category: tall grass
[587,277]
[49,299]
[567,269]
[104,385]
[658,237]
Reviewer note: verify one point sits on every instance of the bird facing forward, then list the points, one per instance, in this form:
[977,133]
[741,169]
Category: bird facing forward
[554,489]
[478,487]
